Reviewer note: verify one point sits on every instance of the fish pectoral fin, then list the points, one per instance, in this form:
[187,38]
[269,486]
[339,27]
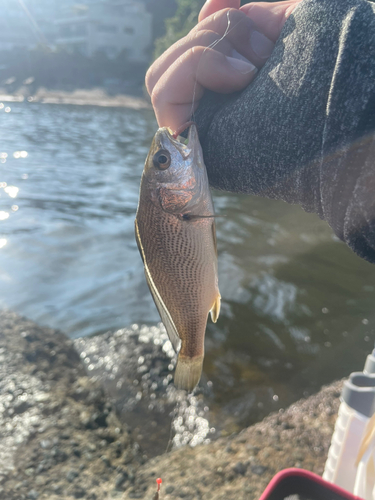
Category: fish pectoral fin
[161,307]
[215,309]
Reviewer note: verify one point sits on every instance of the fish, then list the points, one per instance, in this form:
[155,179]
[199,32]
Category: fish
[176,236]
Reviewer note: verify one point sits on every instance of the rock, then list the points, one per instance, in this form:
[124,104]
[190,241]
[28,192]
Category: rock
[105,460]
[46,444]
[71,475]
[33,495]
[78,429]
[259,470]
[240,468]
[121,479]
[79,492]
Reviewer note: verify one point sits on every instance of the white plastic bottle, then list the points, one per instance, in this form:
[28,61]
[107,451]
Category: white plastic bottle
[356,409]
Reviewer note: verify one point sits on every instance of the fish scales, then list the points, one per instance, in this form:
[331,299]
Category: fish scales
[178,261]
[179,254]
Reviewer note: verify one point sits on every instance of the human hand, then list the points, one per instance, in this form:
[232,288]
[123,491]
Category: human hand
[222,53]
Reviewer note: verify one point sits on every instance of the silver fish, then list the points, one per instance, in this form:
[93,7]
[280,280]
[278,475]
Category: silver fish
[175,233]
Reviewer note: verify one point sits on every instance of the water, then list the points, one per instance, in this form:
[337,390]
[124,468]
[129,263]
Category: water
[298,306]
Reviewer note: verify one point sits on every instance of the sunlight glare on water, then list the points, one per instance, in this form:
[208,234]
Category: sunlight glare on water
[294,297]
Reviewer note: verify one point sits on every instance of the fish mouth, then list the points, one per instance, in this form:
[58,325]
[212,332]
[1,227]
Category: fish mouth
[181,129]
[186,146]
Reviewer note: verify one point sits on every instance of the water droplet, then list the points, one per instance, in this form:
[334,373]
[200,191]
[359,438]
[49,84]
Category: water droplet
[7,109]
[14,208]
[275,397]
[365,321]
[3,242]
[16,154]
[325,310]
[1,105]
[25,176]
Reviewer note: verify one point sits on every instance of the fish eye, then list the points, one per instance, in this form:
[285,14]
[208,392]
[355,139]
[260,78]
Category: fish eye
[162,159]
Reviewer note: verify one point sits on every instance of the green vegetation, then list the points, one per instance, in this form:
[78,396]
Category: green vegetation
[179,25]
[185,18]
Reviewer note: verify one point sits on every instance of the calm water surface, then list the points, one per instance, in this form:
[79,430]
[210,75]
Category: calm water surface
[298,306]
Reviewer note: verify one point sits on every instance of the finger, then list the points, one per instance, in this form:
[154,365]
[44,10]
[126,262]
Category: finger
[270,17]
[242,32]
[228,29]
[182,85]
[202,38]
[212,6]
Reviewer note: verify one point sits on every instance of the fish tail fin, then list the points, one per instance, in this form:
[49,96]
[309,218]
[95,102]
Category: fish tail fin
[188,372]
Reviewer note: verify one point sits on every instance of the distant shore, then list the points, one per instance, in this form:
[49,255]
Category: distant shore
[60,436]
[79,97]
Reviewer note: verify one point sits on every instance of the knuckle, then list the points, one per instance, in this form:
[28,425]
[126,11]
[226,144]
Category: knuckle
[204,37]
[149,80]
[155,98]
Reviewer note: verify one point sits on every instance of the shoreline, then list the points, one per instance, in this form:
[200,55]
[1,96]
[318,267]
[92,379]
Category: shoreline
[61,437]
[79,97]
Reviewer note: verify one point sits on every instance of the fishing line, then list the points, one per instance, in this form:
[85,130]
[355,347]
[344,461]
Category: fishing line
[176,410]
[175,413]
[211,46]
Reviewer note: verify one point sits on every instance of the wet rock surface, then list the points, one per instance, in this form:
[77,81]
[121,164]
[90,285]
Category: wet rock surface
[59,435]
[135,366]
[65,433]
[241,466]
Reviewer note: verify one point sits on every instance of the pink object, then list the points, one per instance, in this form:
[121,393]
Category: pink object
[306,484]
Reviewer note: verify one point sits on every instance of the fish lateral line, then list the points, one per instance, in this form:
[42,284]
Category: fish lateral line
[188,217]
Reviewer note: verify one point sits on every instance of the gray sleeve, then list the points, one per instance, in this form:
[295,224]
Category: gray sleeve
[304,130]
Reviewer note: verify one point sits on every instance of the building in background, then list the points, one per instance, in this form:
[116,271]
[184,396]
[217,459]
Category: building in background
[90,26]
[108,27]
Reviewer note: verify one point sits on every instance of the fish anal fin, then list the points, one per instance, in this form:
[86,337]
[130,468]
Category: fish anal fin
[215,309]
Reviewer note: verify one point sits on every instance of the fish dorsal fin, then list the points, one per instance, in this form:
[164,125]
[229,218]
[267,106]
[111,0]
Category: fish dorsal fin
[215,310]
[163,311]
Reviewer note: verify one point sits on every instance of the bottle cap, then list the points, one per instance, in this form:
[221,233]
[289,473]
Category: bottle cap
[359,393]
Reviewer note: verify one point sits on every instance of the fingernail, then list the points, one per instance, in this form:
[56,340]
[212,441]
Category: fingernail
[261,45]
[237,55]
[241,66]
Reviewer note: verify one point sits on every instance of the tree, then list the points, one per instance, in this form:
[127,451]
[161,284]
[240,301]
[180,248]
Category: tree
[179,25]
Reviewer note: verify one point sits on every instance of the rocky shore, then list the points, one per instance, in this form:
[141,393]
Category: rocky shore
[65,433]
